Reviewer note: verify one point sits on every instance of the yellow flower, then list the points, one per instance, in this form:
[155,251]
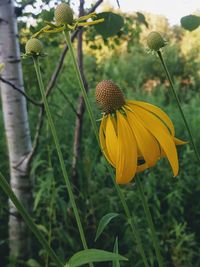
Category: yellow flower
[134,135]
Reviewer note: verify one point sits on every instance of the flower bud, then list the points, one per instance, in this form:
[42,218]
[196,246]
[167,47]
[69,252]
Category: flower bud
[63,14]
[155,41]
[109,97]
[34,46]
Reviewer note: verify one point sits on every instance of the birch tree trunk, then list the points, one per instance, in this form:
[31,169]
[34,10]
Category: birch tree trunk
[16,127]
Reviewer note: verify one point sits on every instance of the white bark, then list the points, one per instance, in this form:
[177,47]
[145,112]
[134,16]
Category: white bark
[16,127]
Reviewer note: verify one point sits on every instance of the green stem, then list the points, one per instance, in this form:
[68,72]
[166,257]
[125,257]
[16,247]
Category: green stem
[179,104]
[29,221]
[81,84]
[130,220]
[94,126]
[51,207]
[60,155]
[150,221]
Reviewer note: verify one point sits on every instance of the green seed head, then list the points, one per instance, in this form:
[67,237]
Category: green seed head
[109,97]
[63,14]
[34,46]
[155,41]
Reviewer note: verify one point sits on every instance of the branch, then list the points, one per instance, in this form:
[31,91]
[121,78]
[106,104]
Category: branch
[68,101]
[14,87]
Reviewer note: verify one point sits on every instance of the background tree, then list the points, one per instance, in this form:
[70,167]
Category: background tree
[16,127]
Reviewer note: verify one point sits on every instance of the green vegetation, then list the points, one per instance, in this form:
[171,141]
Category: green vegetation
[174,202]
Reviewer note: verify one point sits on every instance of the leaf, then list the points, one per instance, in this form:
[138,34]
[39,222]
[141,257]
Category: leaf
[2,65]
[141,19]
[111,25]
[104,222]
[92,255]
[37,199]
[116,263]
[42,228]
[190,22]
[32,263]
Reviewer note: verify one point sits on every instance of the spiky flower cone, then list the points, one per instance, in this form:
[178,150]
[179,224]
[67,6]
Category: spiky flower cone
[63,14]
[109,97]
[155,41]
[34,46]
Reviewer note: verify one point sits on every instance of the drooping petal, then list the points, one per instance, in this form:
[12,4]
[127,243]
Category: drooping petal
[126,164]
[179,141]
[158,130]
[102,137]
[156,111]
[146,142]
[142,167]
[111,140]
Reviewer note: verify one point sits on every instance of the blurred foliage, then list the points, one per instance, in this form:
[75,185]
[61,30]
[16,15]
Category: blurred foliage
[174,202]
[191,22]
[110,26]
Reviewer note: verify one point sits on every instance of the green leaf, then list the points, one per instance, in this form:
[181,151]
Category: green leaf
[93,255]
[116,263]
[141,19]
[2,65]
[32,263]
[190,22]
[111,25]
[104,222]
[42,228]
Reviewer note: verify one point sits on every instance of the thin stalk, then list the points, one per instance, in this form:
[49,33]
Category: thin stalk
[60,155]
[52,211]
[29,221]
[179,104]
[81,84]
[150,221]
[130,220]
[95,129]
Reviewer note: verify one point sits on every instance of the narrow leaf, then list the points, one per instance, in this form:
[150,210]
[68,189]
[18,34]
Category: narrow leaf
[141,19]
[92,255]
[42,228]
[32,263]
[105,220]
[116,263]
[2,65]
[111,25]
[190,22]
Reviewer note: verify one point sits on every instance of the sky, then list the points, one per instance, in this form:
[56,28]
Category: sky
[174,10]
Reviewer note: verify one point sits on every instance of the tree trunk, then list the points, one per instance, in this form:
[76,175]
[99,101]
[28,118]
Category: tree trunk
[16,127]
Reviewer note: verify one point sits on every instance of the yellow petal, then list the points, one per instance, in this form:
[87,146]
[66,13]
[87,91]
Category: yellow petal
[142,167]
[126,164]
[156,111]
[179,141]
[111,140]
[158,130]
[146,142]
[102,140]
